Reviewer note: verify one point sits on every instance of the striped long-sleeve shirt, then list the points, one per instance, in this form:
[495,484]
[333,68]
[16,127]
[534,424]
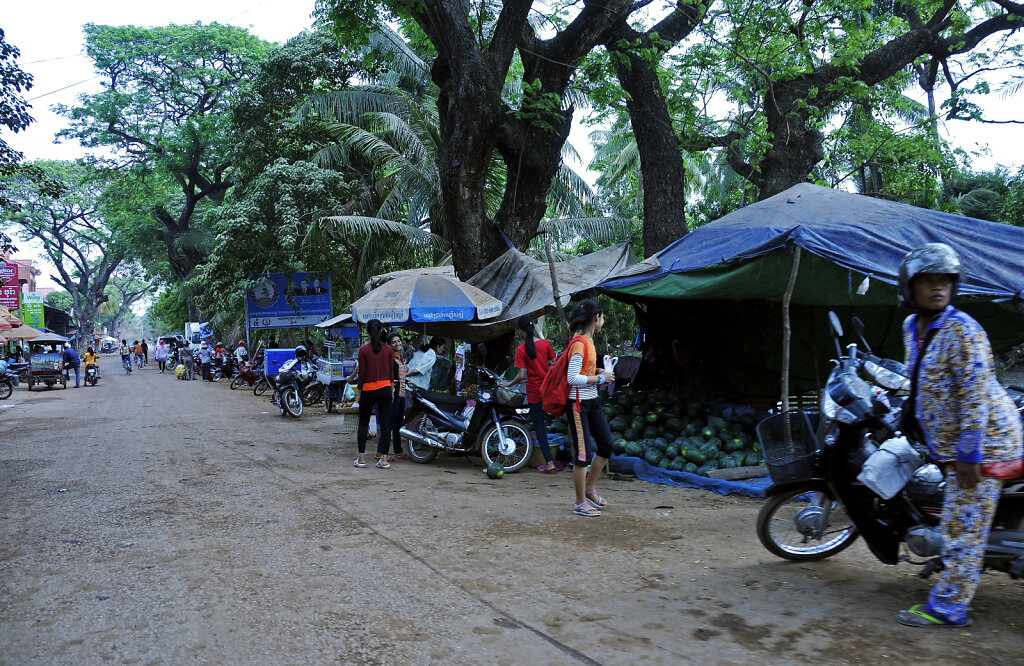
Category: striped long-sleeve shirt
[577,374]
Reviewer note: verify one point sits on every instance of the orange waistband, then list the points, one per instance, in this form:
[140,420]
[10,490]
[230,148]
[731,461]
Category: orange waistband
[373,386]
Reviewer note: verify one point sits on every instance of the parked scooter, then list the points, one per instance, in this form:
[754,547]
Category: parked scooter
[848,471]
[8,380]
[290,386]
[247,374]
[492,425]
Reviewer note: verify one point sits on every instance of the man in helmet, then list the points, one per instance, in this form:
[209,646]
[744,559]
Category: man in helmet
[241,352]
[964,416]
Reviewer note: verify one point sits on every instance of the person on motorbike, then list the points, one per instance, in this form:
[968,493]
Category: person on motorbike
[964,416]
[126,354]
[376,372]
[241,353]
[588,429]
[137,351]
[533,358]
[91,358]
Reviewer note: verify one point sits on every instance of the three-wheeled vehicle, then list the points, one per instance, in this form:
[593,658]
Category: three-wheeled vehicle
[46,361]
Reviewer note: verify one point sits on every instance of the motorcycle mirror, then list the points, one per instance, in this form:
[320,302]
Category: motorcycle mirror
[837,332]
[858,328]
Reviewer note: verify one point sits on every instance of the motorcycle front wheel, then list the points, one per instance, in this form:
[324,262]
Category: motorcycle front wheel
[521,445]
[261,386]
[6,390]
[792,525]
[292,402]
[235,383]
[420,453]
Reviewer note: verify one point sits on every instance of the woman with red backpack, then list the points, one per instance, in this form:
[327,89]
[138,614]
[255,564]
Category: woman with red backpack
[588,429]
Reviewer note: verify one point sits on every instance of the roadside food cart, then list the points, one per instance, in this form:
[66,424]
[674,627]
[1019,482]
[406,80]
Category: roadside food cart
[338,365]
[46,361]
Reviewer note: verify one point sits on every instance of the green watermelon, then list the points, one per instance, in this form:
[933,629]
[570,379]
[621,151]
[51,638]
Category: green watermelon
[696,456]
[638,423]
[619,423]
[690,467]
[708,432]
[733,445]
[752,459]
[652,418]
[672,451]
[495,471]
[676,464]
[715,442]
[619,446]
[631,434]
[690,429]
[652,456]
[650,432]
[664,462]
[675,425]
[717,422]
[607,409]
[617,410]
[727,463]
[634,449]
[661,443]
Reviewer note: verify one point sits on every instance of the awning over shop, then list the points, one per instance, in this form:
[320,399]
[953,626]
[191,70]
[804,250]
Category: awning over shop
[733,274]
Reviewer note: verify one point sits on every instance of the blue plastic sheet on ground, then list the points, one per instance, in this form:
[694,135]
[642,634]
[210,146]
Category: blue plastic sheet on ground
[651,474]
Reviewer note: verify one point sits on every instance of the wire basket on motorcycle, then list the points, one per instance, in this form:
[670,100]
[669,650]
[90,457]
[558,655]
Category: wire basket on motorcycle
[790,452]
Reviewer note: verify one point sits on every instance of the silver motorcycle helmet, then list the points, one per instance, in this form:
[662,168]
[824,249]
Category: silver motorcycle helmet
[928,258]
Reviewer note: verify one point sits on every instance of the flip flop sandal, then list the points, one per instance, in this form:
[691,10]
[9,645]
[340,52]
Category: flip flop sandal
[356,463]
[584,509]
[916,617]
[544,469]
[596,500]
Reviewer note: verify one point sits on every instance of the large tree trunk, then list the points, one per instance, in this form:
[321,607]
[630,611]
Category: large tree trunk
[661,159]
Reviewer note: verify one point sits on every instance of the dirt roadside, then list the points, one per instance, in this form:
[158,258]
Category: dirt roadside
[151,520]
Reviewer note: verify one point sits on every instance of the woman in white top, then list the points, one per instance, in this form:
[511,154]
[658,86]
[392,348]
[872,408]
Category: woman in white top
[419,368]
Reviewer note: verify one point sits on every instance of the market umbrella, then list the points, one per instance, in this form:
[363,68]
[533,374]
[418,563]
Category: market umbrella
[426,298]
[23,333]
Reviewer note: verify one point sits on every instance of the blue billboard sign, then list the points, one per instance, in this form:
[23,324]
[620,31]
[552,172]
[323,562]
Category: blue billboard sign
[280,300]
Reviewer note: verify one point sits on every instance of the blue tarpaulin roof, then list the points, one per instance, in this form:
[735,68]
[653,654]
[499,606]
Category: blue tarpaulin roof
[857,232]
[732,275]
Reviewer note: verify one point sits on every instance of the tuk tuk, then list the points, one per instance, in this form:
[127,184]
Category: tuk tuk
[46,361]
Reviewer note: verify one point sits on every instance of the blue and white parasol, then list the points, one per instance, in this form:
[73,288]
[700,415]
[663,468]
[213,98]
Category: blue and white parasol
[427,299]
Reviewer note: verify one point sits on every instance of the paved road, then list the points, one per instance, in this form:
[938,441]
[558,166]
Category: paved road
[150,520]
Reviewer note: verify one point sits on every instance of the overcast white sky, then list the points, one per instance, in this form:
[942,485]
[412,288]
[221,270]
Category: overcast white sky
[50,38]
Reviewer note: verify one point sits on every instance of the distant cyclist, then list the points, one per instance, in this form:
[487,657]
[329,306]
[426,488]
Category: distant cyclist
[137,349]
[126,356]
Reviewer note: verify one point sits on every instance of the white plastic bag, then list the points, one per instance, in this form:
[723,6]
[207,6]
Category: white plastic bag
[890,467]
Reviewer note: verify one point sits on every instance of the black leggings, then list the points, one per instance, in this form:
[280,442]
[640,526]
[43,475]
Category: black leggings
[596,434]
[162,365]
[381,398]
[397,416]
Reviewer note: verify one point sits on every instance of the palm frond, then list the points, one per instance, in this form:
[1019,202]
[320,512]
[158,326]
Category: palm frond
[601,230]
[370,228]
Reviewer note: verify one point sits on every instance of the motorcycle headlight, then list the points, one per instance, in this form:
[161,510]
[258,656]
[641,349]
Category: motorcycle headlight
[484,395]
[828,406]
[886,378]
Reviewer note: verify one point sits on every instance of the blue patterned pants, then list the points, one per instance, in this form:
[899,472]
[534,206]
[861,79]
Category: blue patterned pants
[966,518]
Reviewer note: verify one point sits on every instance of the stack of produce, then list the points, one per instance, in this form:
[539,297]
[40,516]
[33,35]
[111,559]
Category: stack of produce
[666,432]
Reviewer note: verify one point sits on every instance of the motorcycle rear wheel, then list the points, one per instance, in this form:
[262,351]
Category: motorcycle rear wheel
[6,390]
[292,402]
[779,530]
[235,383]
[490,443]
[420,453]
[261,386]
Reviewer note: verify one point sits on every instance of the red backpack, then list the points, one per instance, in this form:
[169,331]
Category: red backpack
[554,390]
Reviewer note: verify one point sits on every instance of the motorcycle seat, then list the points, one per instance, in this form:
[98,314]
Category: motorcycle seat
[444,400]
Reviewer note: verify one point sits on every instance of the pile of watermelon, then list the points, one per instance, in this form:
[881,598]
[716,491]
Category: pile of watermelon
[666,432]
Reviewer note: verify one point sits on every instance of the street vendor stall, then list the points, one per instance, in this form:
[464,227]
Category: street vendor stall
[337,366]
[46,361]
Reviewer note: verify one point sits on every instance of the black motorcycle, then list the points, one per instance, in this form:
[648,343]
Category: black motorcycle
[847,471]
[9,379]
[492,424]
[92,374]
[290,385]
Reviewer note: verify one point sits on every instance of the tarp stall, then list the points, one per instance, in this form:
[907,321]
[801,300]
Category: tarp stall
[733,275]
[524,285]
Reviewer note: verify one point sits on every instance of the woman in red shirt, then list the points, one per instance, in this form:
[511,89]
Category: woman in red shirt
[376,372]
[533,358]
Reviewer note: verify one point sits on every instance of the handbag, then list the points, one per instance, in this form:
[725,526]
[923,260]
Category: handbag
[908,418]
[1004,469]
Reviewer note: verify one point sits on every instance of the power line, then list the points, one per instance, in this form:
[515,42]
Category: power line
[36,62]
[64,88]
